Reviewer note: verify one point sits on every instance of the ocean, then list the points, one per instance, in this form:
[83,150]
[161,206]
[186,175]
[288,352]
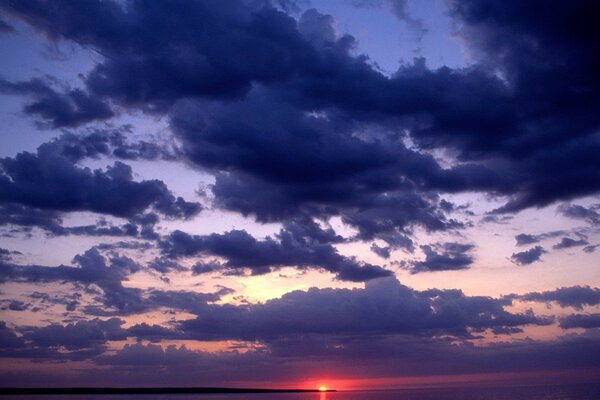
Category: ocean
[554,392]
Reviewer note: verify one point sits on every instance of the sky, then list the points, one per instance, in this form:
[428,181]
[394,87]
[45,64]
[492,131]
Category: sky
[345,193]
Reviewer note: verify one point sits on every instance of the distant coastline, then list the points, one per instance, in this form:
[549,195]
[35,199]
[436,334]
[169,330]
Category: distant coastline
[145,390]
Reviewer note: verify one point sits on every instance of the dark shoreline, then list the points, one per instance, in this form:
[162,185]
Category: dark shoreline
[149,390]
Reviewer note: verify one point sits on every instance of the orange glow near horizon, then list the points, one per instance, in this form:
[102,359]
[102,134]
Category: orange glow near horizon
[323,388]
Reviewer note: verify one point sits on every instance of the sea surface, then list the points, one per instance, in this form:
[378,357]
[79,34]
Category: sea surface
[554,392]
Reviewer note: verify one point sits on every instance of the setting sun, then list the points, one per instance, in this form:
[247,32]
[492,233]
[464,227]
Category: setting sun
[323,388]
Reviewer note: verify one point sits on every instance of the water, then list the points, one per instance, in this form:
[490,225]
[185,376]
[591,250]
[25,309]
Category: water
[559,392]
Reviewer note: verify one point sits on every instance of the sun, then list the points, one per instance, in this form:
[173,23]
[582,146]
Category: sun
[322,388]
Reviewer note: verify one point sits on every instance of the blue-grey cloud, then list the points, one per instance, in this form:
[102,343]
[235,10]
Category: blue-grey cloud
[576,211]
[384,306]
[95,143]
[528,256]
[567,243]
[72,108]
[306,66]
[574,296]
[586,321]
[5,27]
[293,247]
[63,186]
[526,238]
[443,257]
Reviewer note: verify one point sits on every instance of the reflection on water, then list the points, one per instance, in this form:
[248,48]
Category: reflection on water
[563,392]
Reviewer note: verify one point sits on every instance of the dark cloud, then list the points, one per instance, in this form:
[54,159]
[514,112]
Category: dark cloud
[92,269]
[528,256]
[94,143]
[152,333]
[508,116]
[292,247]
[76,336]
[336,356]
[400,10]
[296,127]
[28,217]
[531,52]
[525,238]
[17,305]
[586,321]
[8,339]
[164,265]
[21,219]
[444,257]
[575,211]
[375,183]
[496,219]
[5,27]
[383,307]
[50,182]
[202,267]
[152,61]
[566,243]
[74,107]
[6,255]
[383,252]
[575,296]
[70,301]
[590,248]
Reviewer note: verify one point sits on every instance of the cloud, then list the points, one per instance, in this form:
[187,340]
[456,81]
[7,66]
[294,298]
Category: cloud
[503,134]
[39,181]
[21,219]
[95,142]
[525,238]
[383,307]
[528,256]
[70,301]
[17,305]
[444,257]
[574,296]
[5,27]
[374,183]
[400,10]
[8,339]
[290,247]
[6,255]
[72,108]
[92,270]
[398,355]
[76,336]
[566,243]
[586,321]
[168,58]
[575,211]
[297,127]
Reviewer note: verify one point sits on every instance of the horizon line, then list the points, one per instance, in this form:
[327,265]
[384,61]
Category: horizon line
[146,390]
